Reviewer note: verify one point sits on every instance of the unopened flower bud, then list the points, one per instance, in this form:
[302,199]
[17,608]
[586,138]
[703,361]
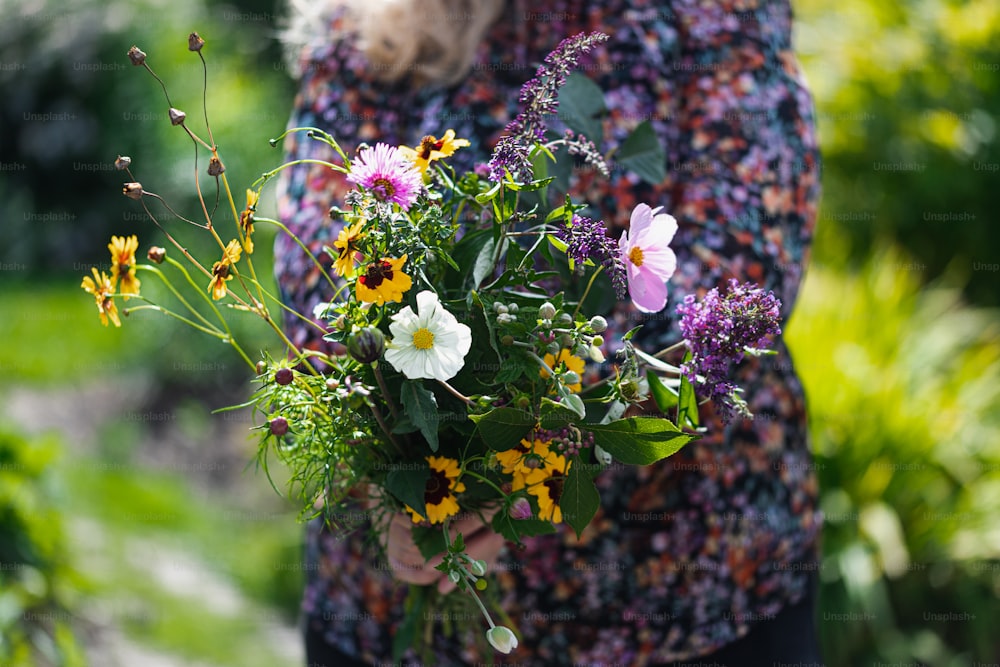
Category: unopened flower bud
[136,56]
[547,311]
[500,308]
[597,355]
[502,639]
[565,318]
[156,254]
[195,42]
[332,384]
[215,166]
[571,377]
[520,509]
[122,162]
[597,341]
[341,323]
[132,190]
[283,376]
[454,576]
[480,584]
[366,345]
[278,426]
[177,117]
[261,367]
[478,567]
[507,340]
[598,324]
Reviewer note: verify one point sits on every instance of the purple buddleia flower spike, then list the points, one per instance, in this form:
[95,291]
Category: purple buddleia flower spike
[719,331]
[539,98]
[587,239]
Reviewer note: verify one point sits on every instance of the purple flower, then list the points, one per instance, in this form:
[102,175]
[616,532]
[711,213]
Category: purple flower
[388,174]
[719,330]
[587,239]
[539,98]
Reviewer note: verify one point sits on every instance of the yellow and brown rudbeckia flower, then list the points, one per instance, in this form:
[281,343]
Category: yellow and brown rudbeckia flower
[220,270]
[102,289]
[123,264]
[431,148]
[439,499]
[383,281]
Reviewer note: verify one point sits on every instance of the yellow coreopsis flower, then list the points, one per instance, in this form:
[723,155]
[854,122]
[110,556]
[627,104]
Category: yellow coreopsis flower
[246,220]
[383,281]
[566,362]
[123,264]
[439,499]
[220,270]
[347,249]
[549,490]
[431,148]
[102,289]
[528,462]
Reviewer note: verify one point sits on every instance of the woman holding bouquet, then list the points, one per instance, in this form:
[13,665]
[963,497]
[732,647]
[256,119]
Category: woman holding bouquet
[709,555]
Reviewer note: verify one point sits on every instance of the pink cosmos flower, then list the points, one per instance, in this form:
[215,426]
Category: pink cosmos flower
[388,174]
[649,262]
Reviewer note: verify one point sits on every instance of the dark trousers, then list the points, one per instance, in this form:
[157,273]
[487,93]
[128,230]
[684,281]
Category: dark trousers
[789,638]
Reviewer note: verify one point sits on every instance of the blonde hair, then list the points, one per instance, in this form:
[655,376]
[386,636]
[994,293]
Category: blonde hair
[428,41]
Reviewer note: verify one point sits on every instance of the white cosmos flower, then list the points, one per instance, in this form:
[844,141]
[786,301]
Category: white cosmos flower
[430,344]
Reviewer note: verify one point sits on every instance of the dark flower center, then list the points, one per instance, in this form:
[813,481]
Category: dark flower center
[376,273]
[554,485]
[384,188]
[437,487]
[429,144]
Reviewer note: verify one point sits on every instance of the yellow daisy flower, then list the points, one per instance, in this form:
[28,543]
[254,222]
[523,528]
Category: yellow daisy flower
[246,219]
[102,289]
[439,499]
[123,264]
[549,490]
[347,249]
[383,281]
[564,362]
[431,148]
[527,462]
[220,270]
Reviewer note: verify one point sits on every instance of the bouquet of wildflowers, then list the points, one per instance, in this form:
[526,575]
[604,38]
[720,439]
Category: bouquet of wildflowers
[472,374]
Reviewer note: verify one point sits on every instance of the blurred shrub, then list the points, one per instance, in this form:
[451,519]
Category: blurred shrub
[908,95]
[71,102]
[904,396]
[37,585]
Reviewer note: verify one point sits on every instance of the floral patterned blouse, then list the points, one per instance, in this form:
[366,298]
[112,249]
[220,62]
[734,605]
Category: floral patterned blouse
[686,555]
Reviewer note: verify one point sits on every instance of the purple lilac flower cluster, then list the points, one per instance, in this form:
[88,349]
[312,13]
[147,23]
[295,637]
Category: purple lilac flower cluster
[719,330]
[539,98]
[587,239]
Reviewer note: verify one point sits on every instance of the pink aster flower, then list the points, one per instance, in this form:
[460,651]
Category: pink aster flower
[649,262]
[388,174]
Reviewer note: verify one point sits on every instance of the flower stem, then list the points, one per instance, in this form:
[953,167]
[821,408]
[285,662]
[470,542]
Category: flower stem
[590,284]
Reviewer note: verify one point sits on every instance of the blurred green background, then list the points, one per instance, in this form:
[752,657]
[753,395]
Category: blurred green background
[132,530]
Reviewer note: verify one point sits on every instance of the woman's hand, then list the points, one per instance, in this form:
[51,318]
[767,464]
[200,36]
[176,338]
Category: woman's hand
[408,564]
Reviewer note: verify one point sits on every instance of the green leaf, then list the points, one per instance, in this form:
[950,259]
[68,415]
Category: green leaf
[511,369]
[574,403]
[687,401]
[503,428]
[408,484]
[421,407]
[662,395]
[580,499]
[514,529]
[643,154]
[581,102]
[639,440]
[429,540]
[484,265]
[555,415]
